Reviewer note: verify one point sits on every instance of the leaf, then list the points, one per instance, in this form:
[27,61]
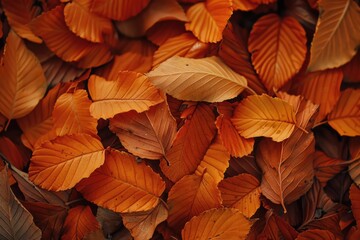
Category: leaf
[79,222]
[142,224]
[183,45]
[244,5]
[109,220]
[233,51]
[316,234]
[338,21]
[241,192]
[224,223]
[20,70]
[122,184]
[39,121]
[344,118]
[265,116]
[156,11]
[162,31]
[354,167]
[277,228]
[118,10]
[148,134]
[206,79]
[191,196]
[325,167]
[51,27]
[71,111]
[351,70]
[355,202]
[16,221]
[19,14]
[13,153]
[191,142]
[236,145]
[61,163]
[84,24]
[287,166]
[50,218]
[322,88]
[208,19]
[278,49]
[216,160]
[130,91]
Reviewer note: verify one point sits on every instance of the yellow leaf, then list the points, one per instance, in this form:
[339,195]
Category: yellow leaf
[206,79]
[263,115]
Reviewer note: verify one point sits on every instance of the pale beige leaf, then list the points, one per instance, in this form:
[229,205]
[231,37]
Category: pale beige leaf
[206,79]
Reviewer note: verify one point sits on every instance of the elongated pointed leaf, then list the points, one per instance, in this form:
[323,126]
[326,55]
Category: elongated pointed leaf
[278,49]
[223,223]
[79,222]
[346,114]
[241,192]
[208,19]
[71,111]
[191,142]
[191,196]
[61,163]
[130,91]
[337,23]
[122,184]
[264,116]
[206,79]
[16,221]
[22,80]
[148,134]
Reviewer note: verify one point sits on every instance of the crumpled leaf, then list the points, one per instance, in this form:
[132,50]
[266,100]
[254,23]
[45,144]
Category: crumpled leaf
[206,79]
[337,23]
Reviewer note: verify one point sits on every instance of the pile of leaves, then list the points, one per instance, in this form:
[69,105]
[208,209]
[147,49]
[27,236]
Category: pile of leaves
[188,119]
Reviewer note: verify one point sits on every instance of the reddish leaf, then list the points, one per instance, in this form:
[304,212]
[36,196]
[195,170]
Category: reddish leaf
[162,31]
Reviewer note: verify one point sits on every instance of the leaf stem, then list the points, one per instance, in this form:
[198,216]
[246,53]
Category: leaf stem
[302,129]
[320,123]
[250,90]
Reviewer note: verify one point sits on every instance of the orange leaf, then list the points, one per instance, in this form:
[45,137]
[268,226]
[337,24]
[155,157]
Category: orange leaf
[224,223]
[205,79]
[156,11]
[287,170]
[51,27]
[22,80]
[191,196]
[142,224]
[241,192]
[326,168]
[70,113]
[234,52]
[245,5]
[278,48]
[79,222]
[208,19]
[345,116]
[38,122]
[16,221]
[317,234]
[162,31]
[50,218]
[137,56]
[61,163]
[236,145]
[84,24]
[191,142]
[148,134]
[122,184]
[216,161]
[118,10]
[19,14]
[322,88]
[184,45]
[265,116]
[337,22]
[130,91]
